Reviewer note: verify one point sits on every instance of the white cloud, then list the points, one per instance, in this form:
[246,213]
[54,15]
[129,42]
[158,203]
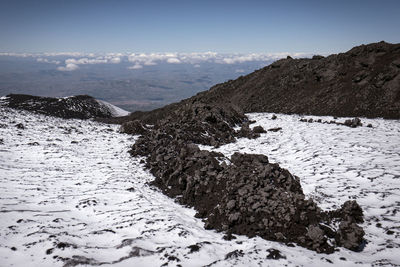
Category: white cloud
[115,60]
[72,63]
[135,67]
[45,60]
[67,54]
[85,60]
[149,63]
[173,60]
[68,67]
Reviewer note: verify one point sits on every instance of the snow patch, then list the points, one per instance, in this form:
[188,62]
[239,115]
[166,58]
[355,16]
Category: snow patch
[115,111]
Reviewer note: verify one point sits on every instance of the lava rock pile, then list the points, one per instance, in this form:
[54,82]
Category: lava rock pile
[244,194]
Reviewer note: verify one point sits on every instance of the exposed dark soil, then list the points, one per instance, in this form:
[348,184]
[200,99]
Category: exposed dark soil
[75,107]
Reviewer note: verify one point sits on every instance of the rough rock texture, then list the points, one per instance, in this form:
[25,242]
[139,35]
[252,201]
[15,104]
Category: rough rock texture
[77,107]
[133,127]
[353,123]
[364,81]
[244,194]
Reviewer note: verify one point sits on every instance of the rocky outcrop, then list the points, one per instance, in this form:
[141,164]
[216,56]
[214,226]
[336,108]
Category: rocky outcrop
[244,194]
[133,127]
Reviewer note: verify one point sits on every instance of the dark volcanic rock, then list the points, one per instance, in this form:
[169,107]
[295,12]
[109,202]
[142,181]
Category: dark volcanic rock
[133,127]
[20,126]
[259,129]
[353,123]
[242,195]
[245,131]
[277,129]
[363,82]
[350,236]
[78,107]
[275,254]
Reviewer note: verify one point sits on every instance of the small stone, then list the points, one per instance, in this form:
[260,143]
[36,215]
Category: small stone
[234,254]
[279,236]
[20,126]
[231,204]
[353,123]
[193,248]
[275,254]
[277,129]
[389,232]
[259,129]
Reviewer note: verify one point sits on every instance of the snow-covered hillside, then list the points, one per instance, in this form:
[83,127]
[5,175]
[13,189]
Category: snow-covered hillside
[70,107]
[114,110]
[71,195]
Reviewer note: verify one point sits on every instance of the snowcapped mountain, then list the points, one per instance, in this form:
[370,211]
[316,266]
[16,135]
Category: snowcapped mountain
[79,107]
[64,206]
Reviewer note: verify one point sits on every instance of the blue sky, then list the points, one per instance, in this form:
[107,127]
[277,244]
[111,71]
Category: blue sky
[196,26]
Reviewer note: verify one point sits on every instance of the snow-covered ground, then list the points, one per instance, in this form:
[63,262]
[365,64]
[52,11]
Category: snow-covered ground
[70,194]
[115,111]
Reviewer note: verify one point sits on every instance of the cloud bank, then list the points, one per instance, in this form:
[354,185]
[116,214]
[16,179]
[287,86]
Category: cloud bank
[134,61]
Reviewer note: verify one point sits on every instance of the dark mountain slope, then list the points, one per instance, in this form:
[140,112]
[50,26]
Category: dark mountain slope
[363,82]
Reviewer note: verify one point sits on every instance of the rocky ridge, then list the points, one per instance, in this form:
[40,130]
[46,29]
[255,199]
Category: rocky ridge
[244,194]
[362,82]
[77,107]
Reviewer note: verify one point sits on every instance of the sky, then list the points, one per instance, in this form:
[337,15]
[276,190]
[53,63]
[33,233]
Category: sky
[251,26]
